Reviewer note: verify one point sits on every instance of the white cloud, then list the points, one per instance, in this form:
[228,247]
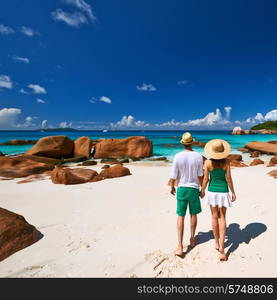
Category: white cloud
[84,7]
[105,99]
[21,59]
[183,82]
[129,121]
[146,87]
[29,122]
[228,110]
[6,29]
[37,89]
[72,19]
[271,116]
[9,117]
[92,100]
[211,119]
[259,118]
[44,123]
[28,31]
[171,124]
[29,119]
[65,124]
[5,82]
[22,91]
[40,100]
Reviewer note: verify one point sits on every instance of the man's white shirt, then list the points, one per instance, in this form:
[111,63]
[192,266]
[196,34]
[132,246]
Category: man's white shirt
[187,167]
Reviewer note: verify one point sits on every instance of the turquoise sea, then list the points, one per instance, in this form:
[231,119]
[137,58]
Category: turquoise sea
[166,143]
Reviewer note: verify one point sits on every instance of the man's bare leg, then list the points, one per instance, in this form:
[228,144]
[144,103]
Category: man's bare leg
[193,224]
[180,231]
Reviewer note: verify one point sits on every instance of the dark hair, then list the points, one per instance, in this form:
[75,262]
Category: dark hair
[219,163]
[189,146]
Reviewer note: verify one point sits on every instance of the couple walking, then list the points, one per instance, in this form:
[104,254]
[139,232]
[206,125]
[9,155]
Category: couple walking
[189,172]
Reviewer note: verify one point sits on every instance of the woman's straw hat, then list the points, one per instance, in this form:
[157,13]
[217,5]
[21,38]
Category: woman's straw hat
[217,149]
[187,139]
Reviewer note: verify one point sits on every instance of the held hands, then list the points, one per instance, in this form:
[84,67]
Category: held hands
[202,193]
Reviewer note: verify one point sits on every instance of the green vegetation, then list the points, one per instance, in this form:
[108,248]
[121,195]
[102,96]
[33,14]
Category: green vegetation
[271,125]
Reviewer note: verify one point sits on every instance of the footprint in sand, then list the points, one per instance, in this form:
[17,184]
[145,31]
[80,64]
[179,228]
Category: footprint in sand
[79,246]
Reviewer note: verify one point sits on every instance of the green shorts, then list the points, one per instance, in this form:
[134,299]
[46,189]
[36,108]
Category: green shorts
[188,196]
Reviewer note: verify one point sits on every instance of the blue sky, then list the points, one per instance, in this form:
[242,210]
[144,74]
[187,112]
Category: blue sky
[141,64]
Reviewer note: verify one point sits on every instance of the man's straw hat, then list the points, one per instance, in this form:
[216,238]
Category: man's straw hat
[187,139]
[217,149]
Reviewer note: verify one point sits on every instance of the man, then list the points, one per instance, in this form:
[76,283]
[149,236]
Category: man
[187,172]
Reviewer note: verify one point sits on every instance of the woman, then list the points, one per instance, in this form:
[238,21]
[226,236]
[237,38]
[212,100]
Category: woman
[217,173]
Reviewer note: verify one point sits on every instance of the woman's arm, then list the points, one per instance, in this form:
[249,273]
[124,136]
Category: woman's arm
[206,178]
[230,182]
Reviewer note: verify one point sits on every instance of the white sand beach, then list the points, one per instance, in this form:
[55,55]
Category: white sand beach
[126,227]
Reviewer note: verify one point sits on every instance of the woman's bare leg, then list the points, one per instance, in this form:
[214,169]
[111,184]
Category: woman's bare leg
[222,231]
[215,225]
[180,231]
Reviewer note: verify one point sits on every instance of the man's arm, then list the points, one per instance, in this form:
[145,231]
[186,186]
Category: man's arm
[200,172]
[171,183]
[174,176]
[206,179]
[200,178]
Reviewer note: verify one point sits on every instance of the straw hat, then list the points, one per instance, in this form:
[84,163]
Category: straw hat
[217,149]
[187,139]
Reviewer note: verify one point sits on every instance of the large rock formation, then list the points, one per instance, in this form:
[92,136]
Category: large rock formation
[256,162]
[236,157]
[161,158]
[15,233]
[82,147]
[74,159]
[236,163]
[262,147]
[61,175]
[238,131]
[273,173]
[20,166]
[255,154]
[18,143]
[267,131]
[53,146]
[244,150]
[200,144]
[135,146]
[115,171]
[45,160]
[89,163]
[272,162]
